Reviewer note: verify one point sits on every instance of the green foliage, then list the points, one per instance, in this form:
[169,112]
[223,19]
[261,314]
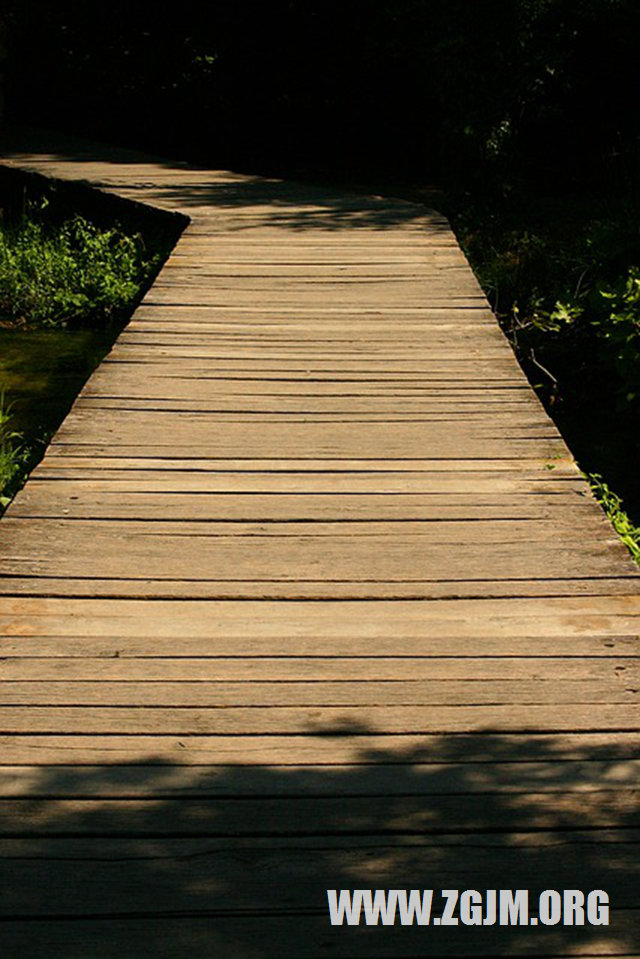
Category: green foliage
[608,317]
[563,275]
[559,318]
[620,332]
[65,287]
[613,507]
[75,274]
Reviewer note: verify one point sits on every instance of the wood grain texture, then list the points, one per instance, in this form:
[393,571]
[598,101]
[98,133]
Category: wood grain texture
[306,593]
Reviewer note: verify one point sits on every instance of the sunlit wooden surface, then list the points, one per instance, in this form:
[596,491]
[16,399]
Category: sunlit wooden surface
[307,593]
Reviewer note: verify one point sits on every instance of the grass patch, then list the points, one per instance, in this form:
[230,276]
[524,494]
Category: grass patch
[70,275]
[12,455]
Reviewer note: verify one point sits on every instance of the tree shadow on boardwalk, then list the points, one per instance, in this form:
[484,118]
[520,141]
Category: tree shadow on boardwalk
[296,206]
[250,202]
[234,860]
[258,201]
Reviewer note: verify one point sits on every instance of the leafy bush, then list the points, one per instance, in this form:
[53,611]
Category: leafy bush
[74,275]
[609,316]
[620,331]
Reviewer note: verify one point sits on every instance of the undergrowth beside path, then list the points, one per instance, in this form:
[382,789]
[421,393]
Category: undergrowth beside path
[74,274]
[67,286]
[563,276]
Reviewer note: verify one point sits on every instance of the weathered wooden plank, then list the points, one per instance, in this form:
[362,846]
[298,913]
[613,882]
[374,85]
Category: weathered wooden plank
[116,499]
[83,640]
[528,426]
[503,620]
[372,668]
[478,480]
[411,267]
[391,395]
[328,749]
[322,442]
[297,552]
[175,397]
[290,816]
[484,359]
[459,323]
[212,692]
[419,288]
[85,876]
[531,780]
[325,590]
[206,933]
[290,720]
[208,347]
[489,532]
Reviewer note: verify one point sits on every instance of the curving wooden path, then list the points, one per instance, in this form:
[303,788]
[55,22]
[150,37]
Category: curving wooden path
[307,593]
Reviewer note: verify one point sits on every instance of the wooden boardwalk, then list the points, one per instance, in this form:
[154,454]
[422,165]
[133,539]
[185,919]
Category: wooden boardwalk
[307,593]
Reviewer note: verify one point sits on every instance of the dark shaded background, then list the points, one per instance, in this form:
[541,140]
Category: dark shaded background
[480,92]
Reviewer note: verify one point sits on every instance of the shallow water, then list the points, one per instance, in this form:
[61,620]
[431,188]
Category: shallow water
[41,373]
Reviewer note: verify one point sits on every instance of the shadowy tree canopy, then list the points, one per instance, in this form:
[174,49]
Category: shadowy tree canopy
[494,89]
